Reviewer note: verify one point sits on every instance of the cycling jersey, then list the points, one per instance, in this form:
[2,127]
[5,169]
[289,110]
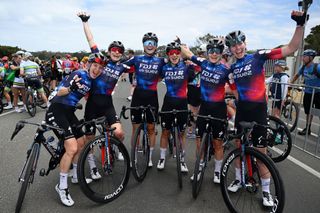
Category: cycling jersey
[67,66]
[212,80]
[310,79]
[73,97]
[30,68]
[147,70]
[249,75]
[176,79]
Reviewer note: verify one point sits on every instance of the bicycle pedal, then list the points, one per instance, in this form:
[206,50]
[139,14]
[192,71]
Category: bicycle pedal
[42,172]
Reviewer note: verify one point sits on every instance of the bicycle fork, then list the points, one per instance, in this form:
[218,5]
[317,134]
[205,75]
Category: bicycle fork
[105,152]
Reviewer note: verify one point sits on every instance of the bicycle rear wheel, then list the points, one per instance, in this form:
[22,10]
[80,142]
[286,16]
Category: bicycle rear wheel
[1,106]
[200,166]
[28,173]
[248,197]
[290,114]
[31,104]
[179,154]
[279,140]
[140,152]
[114,176]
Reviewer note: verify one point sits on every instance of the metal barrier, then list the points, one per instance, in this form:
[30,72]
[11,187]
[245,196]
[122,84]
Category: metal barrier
[292,108]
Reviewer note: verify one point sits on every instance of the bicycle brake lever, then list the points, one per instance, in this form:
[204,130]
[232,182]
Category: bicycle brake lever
[19,126]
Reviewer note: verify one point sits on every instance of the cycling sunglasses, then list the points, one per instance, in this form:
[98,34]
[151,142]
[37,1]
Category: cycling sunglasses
[116,49]
[150,43]
[214,50]
[174,51]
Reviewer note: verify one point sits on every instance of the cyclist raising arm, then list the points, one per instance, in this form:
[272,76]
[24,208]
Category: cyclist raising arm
[249,78]
[61,113]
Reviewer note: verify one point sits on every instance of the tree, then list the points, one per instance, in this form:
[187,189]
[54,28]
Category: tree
[312,41]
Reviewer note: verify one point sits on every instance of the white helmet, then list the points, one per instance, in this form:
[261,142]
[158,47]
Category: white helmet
[202,48]
[27,54]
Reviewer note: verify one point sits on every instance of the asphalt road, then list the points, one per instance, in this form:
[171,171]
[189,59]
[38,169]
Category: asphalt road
[159,191]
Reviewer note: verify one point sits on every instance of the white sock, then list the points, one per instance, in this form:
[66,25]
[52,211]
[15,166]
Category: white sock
[16,108]
[238,174]
[217,165]
[183,155]
[63,184]
[92,163]
[150,156]
[74,171]
[265,185]
[163,153]
[9,103]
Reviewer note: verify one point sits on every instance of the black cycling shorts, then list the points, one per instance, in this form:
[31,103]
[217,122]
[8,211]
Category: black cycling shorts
[131,78]
[250,111]
[276,104]
[34,82]
[143,97]
[98,106]
[63,116]
[307,102]
[217,110]
[169,104]
[194,95]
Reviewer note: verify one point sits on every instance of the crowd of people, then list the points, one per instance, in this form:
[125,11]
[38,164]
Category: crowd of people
[196,82]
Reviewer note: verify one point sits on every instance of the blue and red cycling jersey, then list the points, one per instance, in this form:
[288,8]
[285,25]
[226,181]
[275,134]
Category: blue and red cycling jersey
[73,97]
[147,71]
[106,82]
[249,76]
[212,80]
[176,79]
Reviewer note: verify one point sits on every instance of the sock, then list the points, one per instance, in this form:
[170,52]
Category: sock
[163,153]
[150,156]
[238,174]
[183,155]
[9,103]
[265,185]
[74,171]
[92,163]
[63,184]
[217,165]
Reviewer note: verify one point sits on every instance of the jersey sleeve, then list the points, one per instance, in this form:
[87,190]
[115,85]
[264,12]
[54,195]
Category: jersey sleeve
[275,54]
[300,72]
[130,62]
[94,49]
[197,60]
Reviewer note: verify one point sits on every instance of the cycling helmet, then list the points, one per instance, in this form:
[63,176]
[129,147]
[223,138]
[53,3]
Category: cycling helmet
[281,63]
[27,54]
[173,46]
[97,58]
[5,58]
[68,56]
[215,43]
[310,52]
[116,44]
[150,36]
[234,38]
[85,59]
[20,52]
[74,59]
[202,48]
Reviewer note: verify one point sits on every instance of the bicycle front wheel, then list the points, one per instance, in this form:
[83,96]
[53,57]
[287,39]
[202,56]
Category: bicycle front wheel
[140,152]
[179,154]
[200,166]
[28,173]
[31,104]
[248,194]
[279,140]
[290,114]
[110,175]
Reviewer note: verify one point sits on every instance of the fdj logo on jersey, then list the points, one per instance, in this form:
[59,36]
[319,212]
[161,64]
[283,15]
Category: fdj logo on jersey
[242,71]
[174,75]
[149,68]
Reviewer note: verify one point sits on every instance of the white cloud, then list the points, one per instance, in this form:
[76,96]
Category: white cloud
[52,24]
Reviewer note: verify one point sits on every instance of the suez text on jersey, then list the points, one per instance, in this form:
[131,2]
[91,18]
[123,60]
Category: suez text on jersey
[242,71]
[149,68]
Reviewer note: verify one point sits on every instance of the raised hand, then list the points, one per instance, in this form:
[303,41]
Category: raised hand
[299,17]
[83,16]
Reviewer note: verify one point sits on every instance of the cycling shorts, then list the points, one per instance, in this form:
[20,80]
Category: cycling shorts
[35,83]
[307,102]
[143,97]
[217,110]
[169,104]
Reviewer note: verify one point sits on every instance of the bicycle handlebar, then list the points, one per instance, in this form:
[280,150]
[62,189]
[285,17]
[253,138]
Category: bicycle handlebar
[174,111]
[143,108]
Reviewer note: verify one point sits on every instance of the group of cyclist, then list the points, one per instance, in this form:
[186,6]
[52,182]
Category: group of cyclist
[97,81]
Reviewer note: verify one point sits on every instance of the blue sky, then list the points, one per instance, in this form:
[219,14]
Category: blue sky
[37,25]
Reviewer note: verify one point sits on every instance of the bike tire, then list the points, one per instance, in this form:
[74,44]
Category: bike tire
[290,114]
[1,106]
[31,104]
[28,173]
[283,148]
[112,184]
[249,197]
[140,152]
[179,154]
[199,169]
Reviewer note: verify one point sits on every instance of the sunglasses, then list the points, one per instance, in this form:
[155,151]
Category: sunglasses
[174,51]
[214,50]
[116,49]
[150,43]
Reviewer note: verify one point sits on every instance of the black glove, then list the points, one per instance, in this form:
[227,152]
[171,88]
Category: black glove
[84,18]
[299,19]
[73,87]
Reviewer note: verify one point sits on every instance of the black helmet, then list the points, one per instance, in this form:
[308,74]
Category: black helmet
[235,37]
[173,46]
[215,43]
[310,52]
[116,44]
[150,36]
[97,58]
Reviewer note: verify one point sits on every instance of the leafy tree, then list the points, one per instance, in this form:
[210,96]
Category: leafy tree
[312,41]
